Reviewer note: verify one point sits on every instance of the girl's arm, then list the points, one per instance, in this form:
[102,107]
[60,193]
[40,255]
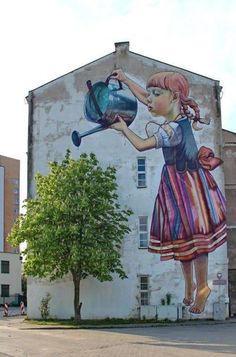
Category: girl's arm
[139,143]
[140,93]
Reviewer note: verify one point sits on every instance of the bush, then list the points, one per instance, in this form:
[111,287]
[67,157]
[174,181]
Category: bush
[44,306]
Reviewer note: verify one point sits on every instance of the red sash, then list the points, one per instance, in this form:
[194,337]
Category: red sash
[207,159]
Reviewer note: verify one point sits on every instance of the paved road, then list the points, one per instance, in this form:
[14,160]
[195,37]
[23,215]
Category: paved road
[19,339]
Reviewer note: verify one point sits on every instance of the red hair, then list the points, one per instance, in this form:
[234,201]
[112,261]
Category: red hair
[177,83]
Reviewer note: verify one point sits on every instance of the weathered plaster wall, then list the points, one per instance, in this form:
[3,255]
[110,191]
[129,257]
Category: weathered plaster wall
[13,278]
[230,175]
[57,110]
[2,208]
[230,192]
[10,183]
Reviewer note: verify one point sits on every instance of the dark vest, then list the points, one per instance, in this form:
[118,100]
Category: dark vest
[183,155]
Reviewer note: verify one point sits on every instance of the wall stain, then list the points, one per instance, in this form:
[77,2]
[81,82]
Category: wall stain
[54,93]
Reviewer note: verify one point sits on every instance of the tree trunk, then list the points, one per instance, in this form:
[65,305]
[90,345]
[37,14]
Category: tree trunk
[77,303]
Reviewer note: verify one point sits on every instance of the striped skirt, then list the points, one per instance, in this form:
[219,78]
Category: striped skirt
[189,215]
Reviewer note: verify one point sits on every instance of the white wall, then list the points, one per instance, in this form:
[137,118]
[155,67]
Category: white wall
[13,278]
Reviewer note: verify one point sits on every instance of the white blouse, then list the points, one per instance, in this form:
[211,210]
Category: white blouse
[168,135]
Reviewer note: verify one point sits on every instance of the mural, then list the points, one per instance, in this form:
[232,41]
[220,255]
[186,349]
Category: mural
[103,102]
[188,220]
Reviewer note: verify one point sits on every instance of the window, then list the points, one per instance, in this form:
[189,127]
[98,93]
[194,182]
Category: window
[144,290]
[143,232]
[5,290]
[141,172]
[5,267]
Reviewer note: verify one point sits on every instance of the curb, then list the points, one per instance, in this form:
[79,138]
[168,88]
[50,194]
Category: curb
[141,325]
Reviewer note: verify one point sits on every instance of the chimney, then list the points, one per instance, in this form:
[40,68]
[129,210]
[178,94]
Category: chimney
[122,47]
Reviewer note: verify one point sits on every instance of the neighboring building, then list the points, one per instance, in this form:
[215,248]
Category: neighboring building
[10,269]
[56,109]
[230,193]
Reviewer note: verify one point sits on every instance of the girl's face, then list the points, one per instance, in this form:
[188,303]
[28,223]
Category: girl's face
[159,101]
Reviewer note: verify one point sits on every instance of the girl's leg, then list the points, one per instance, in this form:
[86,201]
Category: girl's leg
[203,290]
[187,269]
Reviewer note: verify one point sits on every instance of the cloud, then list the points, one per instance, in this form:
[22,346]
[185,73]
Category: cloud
[42,40]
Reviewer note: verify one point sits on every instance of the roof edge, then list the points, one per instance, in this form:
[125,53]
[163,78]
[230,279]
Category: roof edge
[168,64]
[76,69]
[229,131]
[122,47]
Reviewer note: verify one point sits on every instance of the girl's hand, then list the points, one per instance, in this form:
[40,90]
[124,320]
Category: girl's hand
[119,125]
[119,75]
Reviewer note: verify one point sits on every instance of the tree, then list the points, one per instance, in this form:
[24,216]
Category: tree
[74,224]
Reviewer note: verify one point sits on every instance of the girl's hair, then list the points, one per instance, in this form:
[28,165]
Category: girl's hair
[177,83]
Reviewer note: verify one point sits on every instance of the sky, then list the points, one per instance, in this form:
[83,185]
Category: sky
[43,39]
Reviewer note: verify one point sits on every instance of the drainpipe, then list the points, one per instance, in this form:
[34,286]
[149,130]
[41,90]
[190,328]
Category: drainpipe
[218,95]
[29,99]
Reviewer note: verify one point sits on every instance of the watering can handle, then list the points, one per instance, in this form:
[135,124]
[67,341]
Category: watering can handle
[111,76]
[90,88]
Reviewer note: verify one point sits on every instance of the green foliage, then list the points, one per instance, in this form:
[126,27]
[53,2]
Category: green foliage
[167,299]
[44,307]
[98,322]
[74,224]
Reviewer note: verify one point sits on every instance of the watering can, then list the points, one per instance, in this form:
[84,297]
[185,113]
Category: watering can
[103,102]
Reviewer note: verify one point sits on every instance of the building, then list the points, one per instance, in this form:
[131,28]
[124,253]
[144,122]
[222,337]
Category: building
[56,109]
[10,273]
[230,193]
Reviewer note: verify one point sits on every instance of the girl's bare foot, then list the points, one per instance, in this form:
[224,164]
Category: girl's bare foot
[200,300]
[189,290]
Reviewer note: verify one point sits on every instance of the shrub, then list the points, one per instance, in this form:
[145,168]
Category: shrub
[44,306]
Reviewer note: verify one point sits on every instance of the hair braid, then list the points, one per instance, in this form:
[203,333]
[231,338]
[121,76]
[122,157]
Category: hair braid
[177,83]
[186,103]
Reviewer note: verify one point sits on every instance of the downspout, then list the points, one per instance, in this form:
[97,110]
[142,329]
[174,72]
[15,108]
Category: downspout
[220,140]
[218,95]
[29,99]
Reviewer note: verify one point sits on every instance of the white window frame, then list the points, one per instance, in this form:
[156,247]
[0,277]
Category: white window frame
[144,290]
[143,232]
[141,182]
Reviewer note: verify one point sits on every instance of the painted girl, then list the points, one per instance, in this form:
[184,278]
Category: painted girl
[188,220]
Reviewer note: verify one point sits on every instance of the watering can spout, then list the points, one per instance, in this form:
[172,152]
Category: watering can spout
[77,137]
